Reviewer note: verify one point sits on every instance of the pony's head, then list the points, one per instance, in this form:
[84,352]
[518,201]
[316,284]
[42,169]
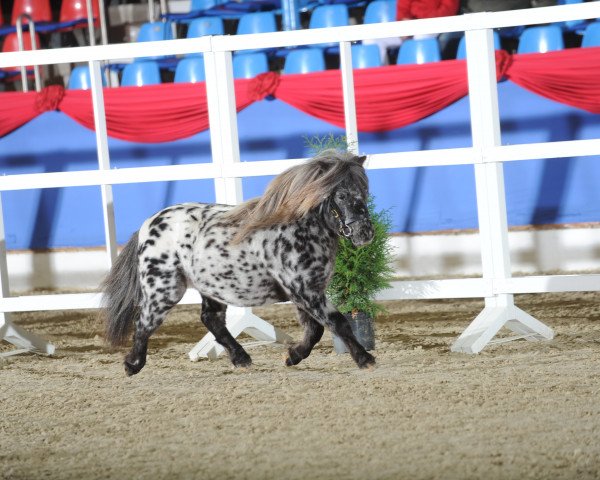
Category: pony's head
[333,183]
[345,209]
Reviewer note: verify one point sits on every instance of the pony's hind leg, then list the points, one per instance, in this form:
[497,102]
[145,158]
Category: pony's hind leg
[156,303]
[313,332]
[213,317]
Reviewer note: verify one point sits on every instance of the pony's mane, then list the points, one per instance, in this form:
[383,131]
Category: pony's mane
[297,191]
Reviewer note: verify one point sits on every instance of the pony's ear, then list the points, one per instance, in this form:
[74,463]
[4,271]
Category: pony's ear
[361,159]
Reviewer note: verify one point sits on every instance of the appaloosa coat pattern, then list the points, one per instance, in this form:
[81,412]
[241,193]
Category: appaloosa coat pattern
[278,247]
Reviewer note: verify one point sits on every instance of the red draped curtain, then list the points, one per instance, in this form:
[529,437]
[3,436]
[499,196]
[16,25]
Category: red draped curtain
[387,98]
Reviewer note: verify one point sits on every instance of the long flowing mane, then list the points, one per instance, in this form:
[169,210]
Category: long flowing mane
[298,190]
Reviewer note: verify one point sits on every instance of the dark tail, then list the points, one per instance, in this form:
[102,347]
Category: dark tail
[122,294]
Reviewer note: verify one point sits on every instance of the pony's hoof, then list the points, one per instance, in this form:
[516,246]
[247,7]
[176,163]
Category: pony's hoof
[132,369]
[242,360]
[292,358]
[367,361]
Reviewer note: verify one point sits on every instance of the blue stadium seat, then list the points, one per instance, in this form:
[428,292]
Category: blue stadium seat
[365,56]
[190,70]
[141,73]
[205,26]
[326,16]
[461,52]
[591,35]
[249,65]
[198,5]
[422,50]
[304,60]
[380,11]
[257,22]
[545,38]
[80,78]
[572,25]
[153,32]
[198,8]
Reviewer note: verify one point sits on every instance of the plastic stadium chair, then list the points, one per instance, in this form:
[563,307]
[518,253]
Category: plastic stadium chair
[198,8]
[365,56]
[38,10]
[190,70]
[202,26]
[591,35]
[304,60]
[80,78]
[572,25]
[75,12]
[380,11]
[199,5]
[141,73]
[461,52]
[152,32]
[257,22]
[422,50]
[1,18]
[249,65]
[545,38]
[11,44]
[325,16]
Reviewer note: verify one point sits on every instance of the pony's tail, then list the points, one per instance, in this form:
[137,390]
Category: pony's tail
[122,294]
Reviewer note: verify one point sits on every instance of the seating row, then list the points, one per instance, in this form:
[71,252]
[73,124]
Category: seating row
[533,39]
[305,60]
[73,14]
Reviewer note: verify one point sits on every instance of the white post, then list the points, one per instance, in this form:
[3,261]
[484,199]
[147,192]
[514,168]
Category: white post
[222,116]
[349,97]
[224,140]
[108,210]
[499,309]
[91,26]
[23,340]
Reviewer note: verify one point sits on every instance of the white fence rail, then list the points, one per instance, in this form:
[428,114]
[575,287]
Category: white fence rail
[487,155]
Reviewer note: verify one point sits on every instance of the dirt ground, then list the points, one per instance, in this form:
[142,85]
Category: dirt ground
[517,410]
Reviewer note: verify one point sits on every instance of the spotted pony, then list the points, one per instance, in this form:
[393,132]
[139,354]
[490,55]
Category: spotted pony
[274,248]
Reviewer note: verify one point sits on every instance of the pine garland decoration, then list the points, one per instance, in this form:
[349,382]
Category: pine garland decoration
[360,272]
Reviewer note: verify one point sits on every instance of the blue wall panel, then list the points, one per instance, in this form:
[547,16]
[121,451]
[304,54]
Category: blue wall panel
[420,199]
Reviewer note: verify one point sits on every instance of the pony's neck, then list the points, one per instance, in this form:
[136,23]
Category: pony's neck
[321,222]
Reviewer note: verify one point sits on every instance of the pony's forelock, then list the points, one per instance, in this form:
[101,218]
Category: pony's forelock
[298,190]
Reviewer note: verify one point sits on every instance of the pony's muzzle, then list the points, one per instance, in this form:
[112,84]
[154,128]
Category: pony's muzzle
[362,233]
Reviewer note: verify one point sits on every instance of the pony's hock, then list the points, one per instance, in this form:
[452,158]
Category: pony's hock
[280,247]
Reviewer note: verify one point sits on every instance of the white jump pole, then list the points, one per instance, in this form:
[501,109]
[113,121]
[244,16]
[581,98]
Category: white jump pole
[500,310]
[108,210]
[224,140]
[349,97]
[23,340]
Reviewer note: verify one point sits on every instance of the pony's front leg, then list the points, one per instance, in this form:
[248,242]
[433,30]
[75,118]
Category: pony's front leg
[313,332]
[326,314]
[340,326]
